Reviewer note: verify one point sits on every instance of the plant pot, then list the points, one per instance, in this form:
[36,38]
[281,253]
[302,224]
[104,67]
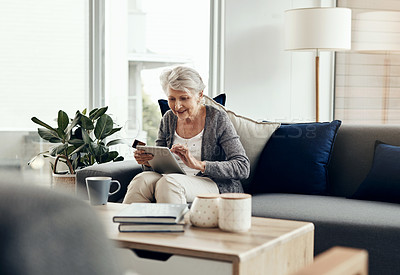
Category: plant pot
[64,182]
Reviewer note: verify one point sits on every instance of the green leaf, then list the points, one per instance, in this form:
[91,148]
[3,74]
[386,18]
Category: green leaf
[92,113]
[120,158]
[75,163]
[33,159]
[113,155]
[113,131]
[87,123]
[62,120]
[60,133]
[79,149]
[76,119]
[50,135]
[102,150]
[98,151]
[74,122]
[108,157]
[67,136]
[95,150]
[103,126]
[56,150]
[99,113]
[84,111]
[77,142]
[85,136]
[44,154]
[70,149]
[41,123]
[116,141]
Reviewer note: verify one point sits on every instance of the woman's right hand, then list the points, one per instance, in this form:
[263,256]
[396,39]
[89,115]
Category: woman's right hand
[142,157]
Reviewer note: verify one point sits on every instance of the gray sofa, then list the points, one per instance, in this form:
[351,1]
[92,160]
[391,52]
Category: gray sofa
[370,225]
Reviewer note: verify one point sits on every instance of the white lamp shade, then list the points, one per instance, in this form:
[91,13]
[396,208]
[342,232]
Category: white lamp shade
[377,32]
[318,28]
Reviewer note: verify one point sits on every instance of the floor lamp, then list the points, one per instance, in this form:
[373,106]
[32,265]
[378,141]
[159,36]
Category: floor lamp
[318,29]
[377,32]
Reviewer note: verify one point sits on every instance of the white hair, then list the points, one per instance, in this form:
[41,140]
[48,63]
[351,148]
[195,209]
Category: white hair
[182,79]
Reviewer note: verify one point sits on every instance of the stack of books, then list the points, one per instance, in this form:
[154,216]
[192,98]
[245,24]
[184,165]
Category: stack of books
[152,217]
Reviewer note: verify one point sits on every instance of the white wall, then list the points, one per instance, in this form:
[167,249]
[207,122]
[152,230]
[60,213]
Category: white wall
[116,60]
[261,79]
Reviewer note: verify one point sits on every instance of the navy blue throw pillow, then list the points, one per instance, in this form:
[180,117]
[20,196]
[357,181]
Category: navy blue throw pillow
[383,180]
[163,103]
[295,159]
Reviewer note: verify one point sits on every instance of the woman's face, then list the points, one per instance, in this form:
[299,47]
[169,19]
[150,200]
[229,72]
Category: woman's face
[183,104]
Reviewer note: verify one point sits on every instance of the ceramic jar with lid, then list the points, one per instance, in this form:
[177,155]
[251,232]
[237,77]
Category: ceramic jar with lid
[234,212]
[204,210]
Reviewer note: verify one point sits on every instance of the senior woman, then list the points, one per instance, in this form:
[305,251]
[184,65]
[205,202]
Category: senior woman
[204,140]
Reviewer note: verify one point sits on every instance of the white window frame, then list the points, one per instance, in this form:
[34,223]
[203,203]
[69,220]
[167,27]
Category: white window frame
[96,97]
[96,53]
[217,47]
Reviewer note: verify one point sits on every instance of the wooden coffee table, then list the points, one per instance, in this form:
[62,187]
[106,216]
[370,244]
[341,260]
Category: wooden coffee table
[271,246]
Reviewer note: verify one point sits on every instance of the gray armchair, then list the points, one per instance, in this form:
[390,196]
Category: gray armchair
[123,171]
[45,232]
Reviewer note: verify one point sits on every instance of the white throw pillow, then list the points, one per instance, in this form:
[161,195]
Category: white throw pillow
[253,134]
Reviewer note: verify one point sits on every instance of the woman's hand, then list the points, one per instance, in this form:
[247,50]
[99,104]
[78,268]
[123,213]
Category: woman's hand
[184,154]
[142,157]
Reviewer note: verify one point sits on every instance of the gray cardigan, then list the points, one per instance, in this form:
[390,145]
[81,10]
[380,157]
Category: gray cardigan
[226,160]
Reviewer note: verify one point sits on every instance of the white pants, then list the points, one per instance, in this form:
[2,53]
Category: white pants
[150,186]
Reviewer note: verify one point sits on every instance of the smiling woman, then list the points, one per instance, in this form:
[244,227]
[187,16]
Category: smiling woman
[203,139]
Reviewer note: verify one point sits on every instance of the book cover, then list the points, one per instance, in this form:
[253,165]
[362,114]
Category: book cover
[142,227]
[166,213]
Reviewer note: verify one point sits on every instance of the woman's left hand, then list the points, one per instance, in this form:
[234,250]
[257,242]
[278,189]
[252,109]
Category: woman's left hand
[184,154]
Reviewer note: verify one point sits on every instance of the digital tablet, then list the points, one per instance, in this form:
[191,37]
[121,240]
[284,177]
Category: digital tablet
[164,162]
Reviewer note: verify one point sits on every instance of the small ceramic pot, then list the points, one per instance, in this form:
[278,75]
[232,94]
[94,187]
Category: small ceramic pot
[235,212]
[204,210]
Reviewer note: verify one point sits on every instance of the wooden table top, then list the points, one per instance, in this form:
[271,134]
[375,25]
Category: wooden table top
[211,243]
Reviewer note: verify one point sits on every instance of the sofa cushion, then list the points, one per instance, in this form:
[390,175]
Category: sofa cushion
[370,225]
[329,209]
[163,103]
[383,180]
[353,154]
[295,159]
[253,136]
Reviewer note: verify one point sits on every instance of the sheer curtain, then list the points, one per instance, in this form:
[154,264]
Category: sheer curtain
[368,84]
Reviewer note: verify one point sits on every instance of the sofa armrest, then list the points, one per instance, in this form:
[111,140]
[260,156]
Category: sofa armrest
[338,261]
[123,171]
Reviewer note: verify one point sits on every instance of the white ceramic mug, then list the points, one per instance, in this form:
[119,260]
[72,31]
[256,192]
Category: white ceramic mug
[234,212]
[99,189]
[204,210]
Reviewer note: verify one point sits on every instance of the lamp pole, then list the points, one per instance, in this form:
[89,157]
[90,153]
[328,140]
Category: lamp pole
[316,29]
[317,86]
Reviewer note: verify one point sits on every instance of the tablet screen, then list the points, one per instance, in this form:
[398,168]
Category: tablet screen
[164,162]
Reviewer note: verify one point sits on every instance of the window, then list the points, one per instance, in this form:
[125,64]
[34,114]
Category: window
[43,60]
[162,34]
[367,87]
[43,68]
[44,63]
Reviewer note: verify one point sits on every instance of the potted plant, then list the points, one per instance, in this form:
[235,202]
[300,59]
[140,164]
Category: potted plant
[79,142]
